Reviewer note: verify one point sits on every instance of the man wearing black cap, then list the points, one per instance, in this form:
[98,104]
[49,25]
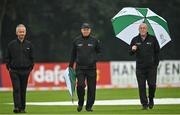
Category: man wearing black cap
[84,53]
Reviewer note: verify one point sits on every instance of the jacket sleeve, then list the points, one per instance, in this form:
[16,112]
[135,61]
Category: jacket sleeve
[156,52]
[32,57]
[73,55]
[8,58]
[131,52]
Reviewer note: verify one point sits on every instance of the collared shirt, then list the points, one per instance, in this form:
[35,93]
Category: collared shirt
[19,55]
[84,52]
[147,53]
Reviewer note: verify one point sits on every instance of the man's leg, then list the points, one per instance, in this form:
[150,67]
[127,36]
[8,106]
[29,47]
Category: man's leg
[152,75]
[15,79]
[23,85]
[141,78]
[80,88]
[91,83]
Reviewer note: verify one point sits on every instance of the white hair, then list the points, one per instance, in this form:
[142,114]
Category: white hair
[20,25]
[143,24]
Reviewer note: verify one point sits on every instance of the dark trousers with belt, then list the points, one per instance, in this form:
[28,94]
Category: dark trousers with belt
[19,79]
[88,75]
[149,75]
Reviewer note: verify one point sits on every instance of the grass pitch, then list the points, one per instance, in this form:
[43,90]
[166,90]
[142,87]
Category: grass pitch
[101,94]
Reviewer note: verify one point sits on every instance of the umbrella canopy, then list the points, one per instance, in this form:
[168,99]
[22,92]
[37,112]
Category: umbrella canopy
[70,79]
[126,24]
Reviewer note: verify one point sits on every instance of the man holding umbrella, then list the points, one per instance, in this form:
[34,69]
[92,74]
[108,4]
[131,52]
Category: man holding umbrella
[146,49]
[127,24]
[84,53]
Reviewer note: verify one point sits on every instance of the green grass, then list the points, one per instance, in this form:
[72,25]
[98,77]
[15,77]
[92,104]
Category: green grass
[102,94]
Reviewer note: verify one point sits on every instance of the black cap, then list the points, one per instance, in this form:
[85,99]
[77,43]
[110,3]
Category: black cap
[85,25]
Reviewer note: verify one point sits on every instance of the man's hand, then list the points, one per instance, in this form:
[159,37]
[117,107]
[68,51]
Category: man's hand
[134,48]
[9,69]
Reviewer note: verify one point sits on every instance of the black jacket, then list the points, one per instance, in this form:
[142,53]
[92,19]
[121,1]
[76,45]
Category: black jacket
[84,52]
[147,53]
[19,55]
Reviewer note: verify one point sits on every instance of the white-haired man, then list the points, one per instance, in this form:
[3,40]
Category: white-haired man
[146,49]
[19,62]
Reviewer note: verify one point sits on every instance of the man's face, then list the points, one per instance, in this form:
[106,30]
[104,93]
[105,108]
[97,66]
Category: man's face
[143,29]
[21,32]
[85,31]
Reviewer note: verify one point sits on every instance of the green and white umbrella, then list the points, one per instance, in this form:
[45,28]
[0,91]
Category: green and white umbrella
[126,24]
[70,79]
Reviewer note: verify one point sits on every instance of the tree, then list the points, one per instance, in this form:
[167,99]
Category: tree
[52,25]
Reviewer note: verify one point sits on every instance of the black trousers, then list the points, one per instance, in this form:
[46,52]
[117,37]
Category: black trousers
[88,75]
[149,75]
[19,79]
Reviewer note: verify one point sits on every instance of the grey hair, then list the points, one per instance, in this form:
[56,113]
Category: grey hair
[20,25]
[143,24]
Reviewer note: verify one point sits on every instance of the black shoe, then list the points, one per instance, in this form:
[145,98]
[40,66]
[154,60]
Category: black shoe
[79,108]
[89,109]
[16,110]
[151,104]
[22,111]
[145,107]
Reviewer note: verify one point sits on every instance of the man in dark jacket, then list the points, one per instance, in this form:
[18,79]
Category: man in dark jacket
[84,53]
[19,62]
[146,49]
